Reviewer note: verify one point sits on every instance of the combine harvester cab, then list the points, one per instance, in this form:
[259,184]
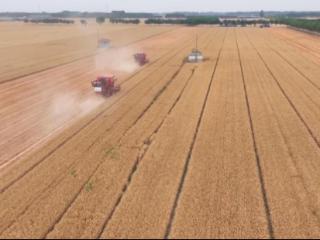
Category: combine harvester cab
[105,85]
[141,58]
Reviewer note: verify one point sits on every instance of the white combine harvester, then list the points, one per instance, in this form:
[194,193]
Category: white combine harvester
[195,55]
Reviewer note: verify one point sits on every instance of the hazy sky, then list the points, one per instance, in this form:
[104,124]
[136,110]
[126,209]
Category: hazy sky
[158,5]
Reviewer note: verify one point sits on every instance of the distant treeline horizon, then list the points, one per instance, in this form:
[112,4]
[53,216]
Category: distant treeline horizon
[123,14]
[294,19]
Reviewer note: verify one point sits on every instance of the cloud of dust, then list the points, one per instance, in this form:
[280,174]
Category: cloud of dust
[66,107]
[73,104]
[117,60]
[69,105]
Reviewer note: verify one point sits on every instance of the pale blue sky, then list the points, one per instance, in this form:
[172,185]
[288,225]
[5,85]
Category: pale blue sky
[158,5]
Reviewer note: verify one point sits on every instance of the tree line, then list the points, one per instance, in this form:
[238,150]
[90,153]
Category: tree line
[186,21]
[207,20]
[307,24]
[127,21]
[50,20]
[123,14]
[101,20]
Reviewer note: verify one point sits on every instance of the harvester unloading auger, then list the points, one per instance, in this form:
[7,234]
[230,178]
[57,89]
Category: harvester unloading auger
[106,85]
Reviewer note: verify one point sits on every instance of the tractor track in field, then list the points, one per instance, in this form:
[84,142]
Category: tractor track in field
[142,152]
[285,95]
[188,159]
[258,160]
[91,120]
[86,57]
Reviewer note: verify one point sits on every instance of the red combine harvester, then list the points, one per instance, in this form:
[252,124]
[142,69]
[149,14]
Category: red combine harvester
[141,58]
[105,85]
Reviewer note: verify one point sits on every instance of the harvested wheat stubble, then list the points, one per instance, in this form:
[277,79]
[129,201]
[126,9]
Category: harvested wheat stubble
[64,189]
[146,206]
[222,196]
[289,155]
